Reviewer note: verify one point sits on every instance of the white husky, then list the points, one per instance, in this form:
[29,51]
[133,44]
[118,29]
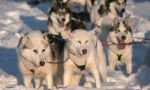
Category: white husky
[121,52]
[84,52]
[34,55]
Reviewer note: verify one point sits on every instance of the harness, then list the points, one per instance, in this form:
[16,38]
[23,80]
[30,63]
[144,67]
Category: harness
[80,67]
[57,44]
[119,57]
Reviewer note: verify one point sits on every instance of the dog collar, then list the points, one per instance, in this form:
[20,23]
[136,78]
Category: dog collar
[80,67]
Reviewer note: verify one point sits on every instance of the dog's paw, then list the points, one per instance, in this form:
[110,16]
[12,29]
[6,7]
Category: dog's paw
[65,86]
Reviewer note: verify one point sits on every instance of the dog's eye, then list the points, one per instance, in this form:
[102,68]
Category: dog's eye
[86,41]
[126,31]
[35,51]
[43,50]
[117,31]
[79,42]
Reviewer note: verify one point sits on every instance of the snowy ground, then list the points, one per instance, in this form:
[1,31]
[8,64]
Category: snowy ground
[18,17]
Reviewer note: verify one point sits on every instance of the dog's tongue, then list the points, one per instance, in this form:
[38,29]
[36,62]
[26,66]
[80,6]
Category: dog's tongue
[121,45]
[62,24]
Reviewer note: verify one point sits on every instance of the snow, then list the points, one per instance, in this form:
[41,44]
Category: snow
[18,17]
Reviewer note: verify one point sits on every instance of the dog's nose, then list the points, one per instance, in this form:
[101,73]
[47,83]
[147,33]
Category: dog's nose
[123,37]
[84,51]
[42,63]
[63,19]
[123,10]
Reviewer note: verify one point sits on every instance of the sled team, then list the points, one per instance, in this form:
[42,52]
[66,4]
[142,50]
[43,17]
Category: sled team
[61,55]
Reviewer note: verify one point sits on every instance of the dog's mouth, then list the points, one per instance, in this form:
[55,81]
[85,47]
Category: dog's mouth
[121,44]
[61,23]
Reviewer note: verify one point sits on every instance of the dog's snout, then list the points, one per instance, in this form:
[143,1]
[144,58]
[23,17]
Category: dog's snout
[84,51]
[63,19]
[123,37]
[42,63]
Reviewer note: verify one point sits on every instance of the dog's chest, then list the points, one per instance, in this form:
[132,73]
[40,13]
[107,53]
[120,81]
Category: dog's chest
[57,46]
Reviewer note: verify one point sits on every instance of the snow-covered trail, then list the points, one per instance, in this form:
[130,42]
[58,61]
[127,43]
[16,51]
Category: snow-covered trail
[18,17]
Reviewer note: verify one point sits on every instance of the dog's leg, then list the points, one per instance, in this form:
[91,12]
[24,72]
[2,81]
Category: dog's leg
[37,82]
[128,61]
[67,76]
[75,80]
[112,60]
[102,62]
[96,75]
[49,79]
[27,80]
[128,64]
[103,70]
[129,67]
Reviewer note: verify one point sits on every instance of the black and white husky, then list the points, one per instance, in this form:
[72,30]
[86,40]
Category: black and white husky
[121,52]
[108,9]
[59,19]
[116,6]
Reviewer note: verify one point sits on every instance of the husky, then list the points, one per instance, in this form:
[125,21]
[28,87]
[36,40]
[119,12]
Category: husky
[84,5]
[108,9]
[59,19]
[121,52]
[34,54]
[83,51]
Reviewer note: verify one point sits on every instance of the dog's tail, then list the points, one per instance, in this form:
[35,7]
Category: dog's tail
[102,61]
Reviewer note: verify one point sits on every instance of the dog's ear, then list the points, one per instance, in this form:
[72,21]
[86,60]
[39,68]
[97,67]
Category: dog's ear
[114,22]
[127,22]
[45,35]
[26,41]
[96,31]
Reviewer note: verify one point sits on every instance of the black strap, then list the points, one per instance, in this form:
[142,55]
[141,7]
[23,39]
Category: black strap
[119,57]
[59,62]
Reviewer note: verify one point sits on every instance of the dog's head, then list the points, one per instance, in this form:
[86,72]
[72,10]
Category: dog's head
[59,15]
[81,42]
[121,32]
[35,48]
[118,5]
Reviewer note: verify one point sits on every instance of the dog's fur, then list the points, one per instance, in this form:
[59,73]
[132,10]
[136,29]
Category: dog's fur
[79,20]
[116,6]
[34,53]
[111,9]
[121,52]
[84,51]
[85,4]
[59,18]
